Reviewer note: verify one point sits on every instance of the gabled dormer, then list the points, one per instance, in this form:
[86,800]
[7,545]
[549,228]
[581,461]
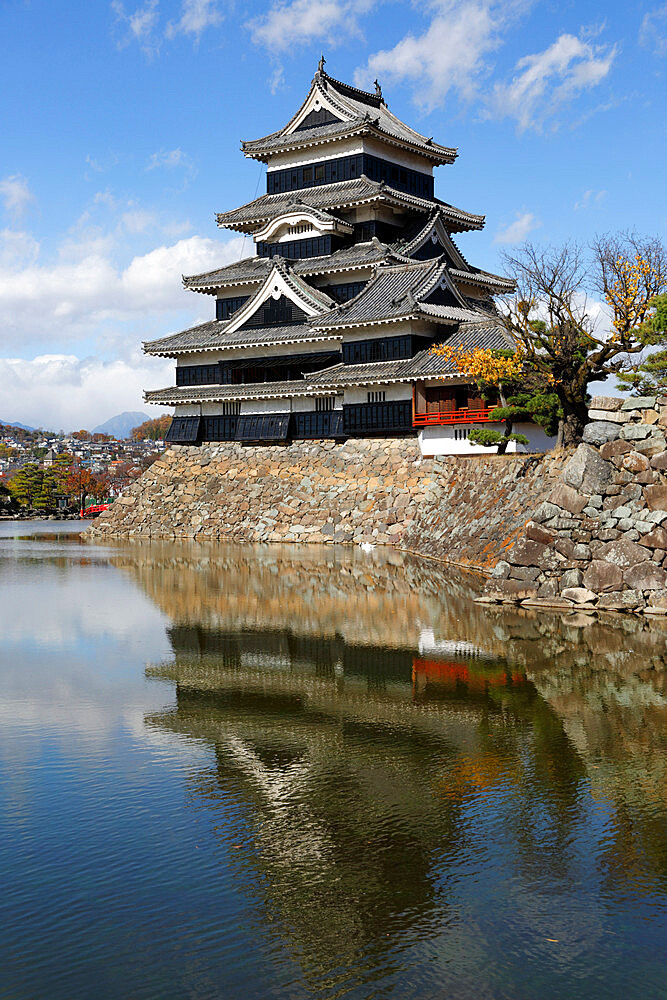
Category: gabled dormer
[400,293]
[433,240]
[282,299]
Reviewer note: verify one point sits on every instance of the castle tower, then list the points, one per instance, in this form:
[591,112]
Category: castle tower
[325,331]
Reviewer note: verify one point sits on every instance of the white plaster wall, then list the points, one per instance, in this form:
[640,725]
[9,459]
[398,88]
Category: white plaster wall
[212,408]
[539,440]
[402,156]
[232,291]
[359,394]
[382,213]
[187,410]
[315,154]
[339,277]
[443,440]
[398,329]
[266,406]
[350,147]
[305,404]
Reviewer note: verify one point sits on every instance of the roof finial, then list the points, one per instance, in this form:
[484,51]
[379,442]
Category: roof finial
[320,65]
[378,89]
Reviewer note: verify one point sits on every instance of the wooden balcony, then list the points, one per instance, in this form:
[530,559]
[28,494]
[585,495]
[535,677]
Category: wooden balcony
[433,407]
[442,416]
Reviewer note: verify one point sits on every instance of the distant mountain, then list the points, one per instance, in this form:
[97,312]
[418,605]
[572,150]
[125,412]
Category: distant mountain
[15,423]
[122,425]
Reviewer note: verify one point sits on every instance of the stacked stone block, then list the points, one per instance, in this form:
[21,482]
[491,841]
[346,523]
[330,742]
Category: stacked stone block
[379,491]
[599,539]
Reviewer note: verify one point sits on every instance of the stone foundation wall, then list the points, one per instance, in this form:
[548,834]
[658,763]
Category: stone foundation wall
[463,510]
[599,539]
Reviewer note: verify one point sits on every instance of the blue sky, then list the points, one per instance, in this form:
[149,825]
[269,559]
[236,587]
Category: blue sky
[121,124]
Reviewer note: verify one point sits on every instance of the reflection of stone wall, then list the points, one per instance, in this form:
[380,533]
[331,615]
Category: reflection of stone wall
[384,598]
[600,538]
[465,510]
[294,607]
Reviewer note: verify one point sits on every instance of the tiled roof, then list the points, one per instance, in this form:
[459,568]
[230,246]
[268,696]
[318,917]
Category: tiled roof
[238,273]
[255,269]
[383,371]
[423,365]
[485,278]
[398,292]
[196,338]
[341,194]
[215,393]
[450,314]
[281,140]
[316,295]
[213,336]
[486,334]
[359,111]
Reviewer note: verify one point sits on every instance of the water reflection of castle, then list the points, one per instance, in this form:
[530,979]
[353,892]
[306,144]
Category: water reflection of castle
[370,730]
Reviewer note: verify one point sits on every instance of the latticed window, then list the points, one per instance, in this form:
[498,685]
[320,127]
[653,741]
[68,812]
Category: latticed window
[343,293]
[313,246]
[276,312]
[225,307]
[324,403]
[231,407]
[377,396]
[345,168]
[197,374]
[360,352]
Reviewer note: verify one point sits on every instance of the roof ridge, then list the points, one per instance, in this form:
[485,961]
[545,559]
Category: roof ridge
[376,99]
[410,264]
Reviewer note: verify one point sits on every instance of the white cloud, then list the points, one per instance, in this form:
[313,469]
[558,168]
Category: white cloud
[170,159]
[299,22]
[196,17]
[543,82]
[63,391]
[653,30]
[143,24]
[450,55]
[140,25]
[15,194]
[517,231]
[85,287]
[137,220]
[17,249]
[589,199]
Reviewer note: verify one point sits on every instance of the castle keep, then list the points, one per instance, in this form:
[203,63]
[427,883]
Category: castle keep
[325,332]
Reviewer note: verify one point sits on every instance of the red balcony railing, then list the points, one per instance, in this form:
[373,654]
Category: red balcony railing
[463,416]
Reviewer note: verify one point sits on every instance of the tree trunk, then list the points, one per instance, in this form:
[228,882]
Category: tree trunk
[571,429]
[502,445]
[561,434]
[575,413]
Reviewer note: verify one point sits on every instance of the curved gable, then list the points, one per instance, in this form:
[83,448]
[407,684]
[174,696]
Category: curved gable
[281,294]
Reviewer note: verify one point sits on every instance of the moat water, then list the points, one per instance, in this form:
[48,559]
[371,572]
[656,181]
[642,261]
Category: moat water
[283,772]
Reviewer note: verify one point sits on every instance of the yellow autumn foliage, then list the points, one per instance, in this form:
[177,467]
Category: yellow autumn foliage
[482,364]
[630,292]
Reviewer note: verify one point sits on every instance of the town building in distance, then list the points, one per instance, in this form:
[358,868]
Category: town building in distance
[325,331]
